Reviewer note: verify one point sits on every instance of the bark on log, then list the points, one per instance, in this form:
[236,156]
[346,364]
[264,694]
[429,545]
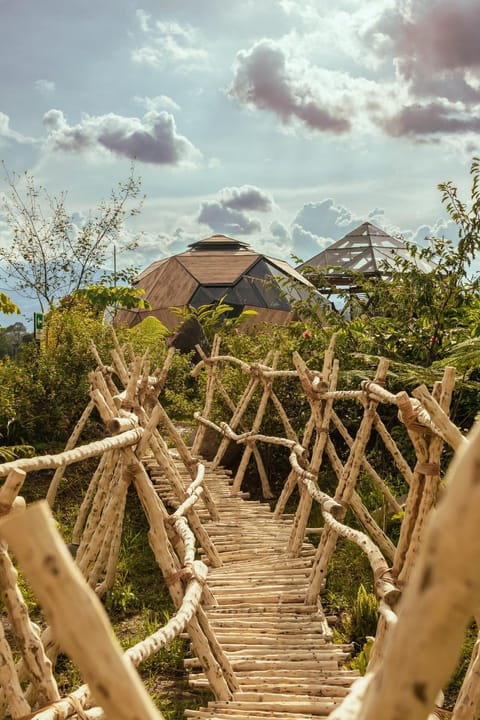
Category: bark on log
[443,593]
[82,452]
[10,489]
[37,666]
[11,688]
[76,615]
[72,441]
[344,491]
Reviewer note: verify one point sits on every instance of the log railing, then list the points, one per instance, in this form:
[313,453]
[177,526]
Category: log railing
[424,416]
[427,584]
[69,590]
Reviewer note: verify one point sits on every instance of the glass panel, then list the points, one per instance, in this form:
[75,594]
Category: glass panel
[207,294]
[265,270]
[248,292]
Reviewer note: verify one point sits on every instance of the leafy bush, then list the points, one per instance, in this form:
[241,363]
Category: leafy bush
[360,621]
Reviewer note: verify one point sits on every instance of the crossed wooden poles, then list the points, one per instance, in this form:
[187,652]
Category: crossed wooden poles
[427,592]
[125,395]
[425,417]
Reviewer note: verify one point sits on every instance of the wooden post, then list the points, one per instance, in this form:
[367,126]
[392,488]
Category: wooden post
[88,499]
[240,409]
[72,441]
[165,558]
[438,602]
[161,375]
[160,452]
[321,410]
[231,405]
[344,491]
[382,487]
[210,391]
[14,699]
[467,704]
[356,504]
[291,480]
[238,479]
[76,615]
[37,665]
[428,468]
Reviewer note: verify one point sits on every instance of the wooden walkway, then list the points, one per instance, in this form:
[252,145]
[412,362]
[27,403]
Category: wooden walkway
[281,649]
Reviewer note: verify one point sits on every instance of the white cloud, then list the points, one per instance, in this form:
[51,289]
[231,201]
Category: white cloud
[410,69]
[441,228]
[306,243]
[266,78]
[157,103]
[6,132]
[326,219]
[246,197]
[151,139]
[275,77]
[45,87]
[169,43]
[225,220]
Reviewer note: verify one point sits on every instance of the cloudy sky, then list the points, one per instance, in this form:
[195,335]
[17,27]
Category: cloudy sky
[286,123]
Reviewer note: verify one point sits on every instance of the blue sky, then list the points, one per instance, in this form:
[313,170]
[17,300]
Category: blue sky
[283,122]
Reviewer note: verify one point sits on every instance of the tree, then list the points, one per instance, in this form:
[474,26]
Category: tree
[429,302]
[53,255]
[11,339]
[7,306]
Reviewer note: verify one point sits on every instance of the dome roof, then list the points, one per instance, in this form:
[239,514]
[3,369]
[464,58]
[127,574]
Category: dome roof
[219,268]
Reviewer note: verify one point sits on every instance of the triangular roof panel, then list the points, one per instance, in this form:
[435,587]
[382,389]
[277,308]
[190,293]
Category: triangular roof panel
[211,268]
[367,249]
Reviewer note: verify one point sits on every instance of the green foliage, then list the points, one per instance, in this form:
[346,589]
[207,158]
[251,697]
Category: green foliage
[121,597]
[44,391]
[11,339]
[149,333]
[360,621]
[7,306]
[117,296]
[213,316]
[8,453]
[425,307]
[360,661]
[452,690]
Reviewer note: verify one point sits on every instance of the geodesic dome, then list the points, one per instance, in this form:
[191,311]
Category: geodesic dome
[219,267]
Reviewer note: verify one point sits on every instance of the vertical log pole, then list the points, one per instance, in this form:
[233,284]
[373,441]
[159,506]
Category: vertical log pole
[467,705]
[240,410]
[210,391]
[72,441]
[321,410]
[242,468]
[441,597]
[344,491]
[38,667]
[77,616]
[164,555]
[88,499]
[12,690]
[421,498]
[292,480]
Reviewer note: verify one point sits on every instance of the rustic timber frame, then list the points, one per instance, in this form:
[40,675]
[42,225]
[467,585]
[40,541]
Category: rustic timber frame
[428,586]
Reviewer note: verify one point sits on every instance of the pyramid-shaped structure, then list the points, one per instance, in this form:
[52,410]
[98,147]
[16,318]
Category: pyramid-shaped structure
[367,250]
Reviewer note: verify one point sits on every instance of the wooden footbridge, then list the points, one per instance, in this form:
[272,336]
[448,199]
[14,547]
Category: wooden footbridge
[245,579]
[280,649]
